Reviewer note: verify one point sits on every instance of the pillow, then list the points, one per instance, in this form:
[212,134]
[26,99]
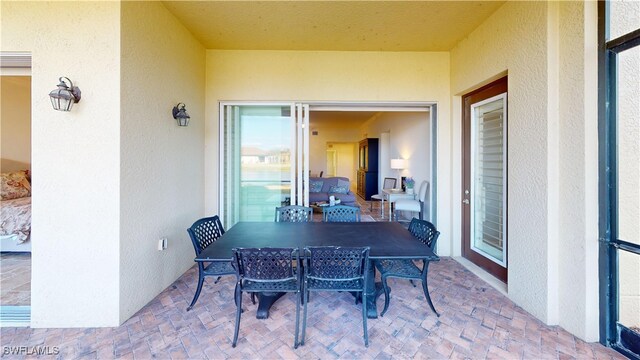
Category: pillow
[14,185]
[344,183]
[338,189]
[315,186]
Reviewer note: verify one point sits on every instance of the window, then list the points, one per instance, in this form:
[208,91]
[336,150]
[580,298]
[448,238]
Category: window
[619,132]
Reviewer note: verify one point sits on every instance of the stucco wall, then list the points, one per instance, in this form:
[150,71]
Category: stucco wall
[552,178]
[578,169]
[330,76]
[15,128]
[162,177]
[492,49]
[75,222]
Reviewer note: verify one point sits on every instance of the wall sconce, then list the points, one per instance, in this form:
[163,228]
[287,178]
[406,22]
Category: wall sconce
[180,114]
[64,96]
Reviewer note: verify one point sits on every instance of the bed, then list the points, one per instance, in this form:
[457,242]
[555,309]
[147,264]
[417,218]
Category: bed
[15,212]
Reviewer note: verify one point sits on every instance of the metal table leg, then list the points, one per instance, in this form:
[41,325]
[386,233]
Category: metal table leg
[265,301]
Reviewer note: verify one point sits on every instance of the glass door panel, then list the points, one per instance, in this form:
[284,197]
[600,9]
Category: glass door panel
[258,155]
[488,159]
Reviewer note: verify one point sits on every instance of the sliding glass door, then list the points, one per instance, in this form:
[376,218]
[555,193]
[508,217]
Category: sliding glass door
[262,162]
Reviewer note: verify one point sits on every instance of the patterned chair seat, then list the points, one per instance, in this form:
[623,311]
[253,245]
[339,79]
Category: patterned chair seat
[219,268]
[280,286]
[350,285]
[398,268]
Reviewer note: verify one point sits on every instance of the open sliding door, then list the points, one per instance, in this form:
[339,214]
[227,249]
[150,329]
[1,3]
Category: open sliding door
[263,160]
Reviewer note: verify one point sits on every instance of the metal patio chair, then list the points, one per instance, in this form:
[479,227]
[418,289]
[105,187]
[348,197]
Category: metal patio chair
[294,213]
[426,233]
[203,233]
[266,270]
[340,213]
[331,268]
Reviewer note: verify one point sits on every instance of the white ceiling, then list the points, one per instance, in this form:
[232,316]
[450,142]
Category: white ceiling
[332,25]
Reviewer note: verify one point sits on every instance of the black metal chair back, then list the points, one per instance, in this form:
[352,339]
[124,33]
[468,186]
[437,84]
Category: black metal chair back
[340,213]
[205,232]
[424,231]
[266,264]
[294,213]
[266,270]
[332,268]
[336,263]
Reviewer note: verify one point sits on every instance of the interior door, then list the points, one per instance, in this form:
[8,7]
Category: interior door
[484,189]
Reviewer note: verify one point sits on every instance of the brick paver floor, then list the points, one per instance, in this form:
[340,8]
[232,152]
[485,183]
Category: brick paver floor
[476,322]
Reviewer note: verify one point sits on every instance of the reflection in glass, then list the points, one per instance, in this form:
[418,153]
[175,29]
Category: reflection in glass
[629,299]
[628,112]
[488,208]
[624,17]
[257,176]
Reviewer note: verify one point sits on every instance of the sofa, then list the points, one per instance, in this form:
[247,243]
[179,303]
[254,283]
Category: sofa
[321,188]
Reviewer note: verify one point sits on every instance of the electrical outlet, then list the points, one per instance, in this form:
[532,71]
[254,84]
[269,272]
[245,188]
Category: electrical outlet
[162,244]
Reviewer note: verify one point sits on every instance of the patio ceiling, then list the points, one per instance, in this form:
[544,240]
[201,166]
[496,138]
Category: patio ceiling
[332,25]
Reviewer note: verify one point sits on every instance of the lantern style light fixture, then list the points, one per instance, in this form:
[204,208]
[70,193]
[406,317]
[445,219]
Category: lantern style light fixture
[65,95]
[180,114]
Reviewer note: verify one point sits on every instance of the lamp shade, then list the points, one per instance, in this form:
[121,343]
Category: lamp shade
[397,164]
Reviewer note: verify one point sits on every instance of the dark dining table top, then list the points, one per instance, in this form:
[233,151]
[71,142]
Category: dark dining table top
[387,240]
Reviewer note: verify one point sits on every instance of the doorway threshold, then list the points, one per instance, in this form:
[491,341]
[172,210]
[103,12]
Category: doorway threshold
[482,274]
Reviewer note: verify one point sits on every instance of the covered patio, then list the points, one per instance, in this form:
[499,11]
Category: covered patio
[476,321]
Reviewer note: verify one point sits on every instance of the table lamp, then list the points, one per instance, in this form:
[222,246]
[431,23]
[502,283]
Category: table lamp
[398,164]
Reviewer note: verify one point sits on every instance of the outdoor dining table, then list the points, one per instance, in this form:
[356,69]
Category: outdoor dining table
[387,240]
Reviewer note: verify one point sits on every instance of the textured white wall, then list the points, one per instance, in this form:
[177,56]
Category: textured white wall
[15,128]
[578,169]
[552,236]
[162,177]
[497,46]
[75,223]
[330,76]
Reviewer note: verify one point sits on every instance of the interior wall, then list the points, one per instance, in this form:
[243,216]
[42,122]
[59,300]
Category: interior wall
[75,258]
[539,146]
[162,164]
[409,139]
[15,125]
[330,76]
[327,133]
[346,162]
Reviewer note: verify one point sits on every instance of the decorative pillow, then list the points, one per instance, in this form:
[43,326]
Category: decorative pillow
[338,189]
[344,183]
[14,185]
[315,186]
